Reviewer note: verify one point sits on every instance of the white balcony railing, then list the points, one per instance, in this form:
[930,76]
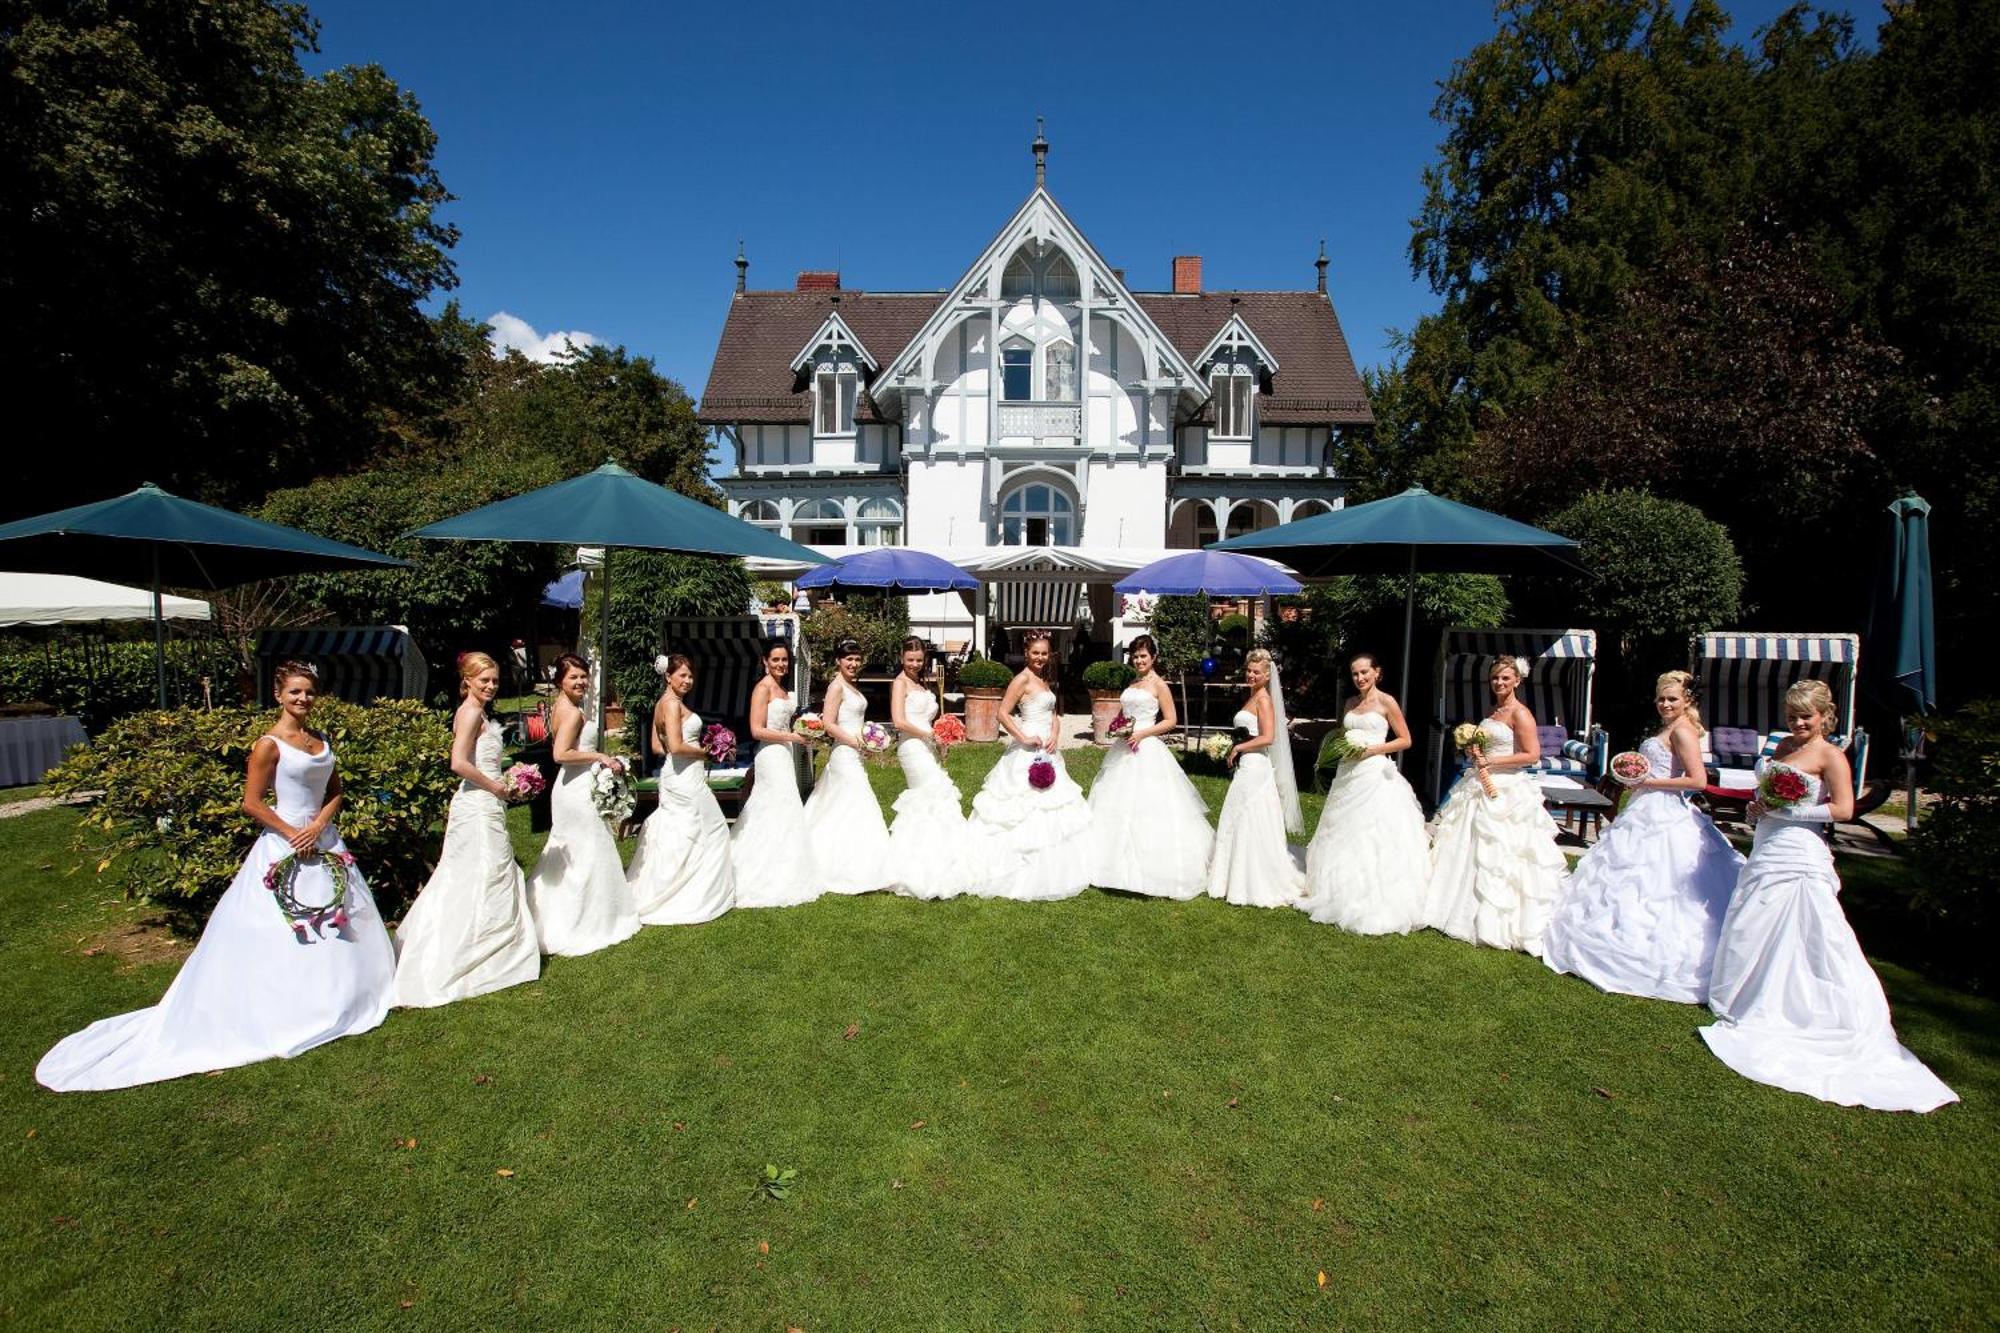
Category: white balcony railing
[1041,420]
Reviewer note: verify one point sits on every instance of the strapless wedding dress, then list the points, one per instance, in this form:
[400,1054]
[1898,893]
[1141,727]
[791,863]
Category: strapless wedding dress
[681,873]
[1495,869]
[844,827]
[1149,826]
[1252,863]
[1028,843]
[768,853]
[1368,867]
[577,890]
[927,840]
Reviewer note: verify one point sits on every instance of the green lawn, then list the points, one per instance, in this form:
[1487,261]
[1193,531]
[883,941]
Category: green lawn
[1100,1113]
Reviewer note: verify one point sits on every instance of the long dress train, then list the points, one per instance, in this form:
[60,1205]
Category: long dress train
[1149,830]
[844,824]
[470,930]
[1495,870]
[1642,909]
[1798,1005]
[769,855]
[927,841]
[681,873]
[577,890]
[252,989]
[1252,864]
[1368,867]
[1023,842]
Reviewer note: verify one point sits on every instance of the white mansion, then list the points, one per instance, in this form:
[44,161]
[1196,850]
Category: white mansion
[1040,423]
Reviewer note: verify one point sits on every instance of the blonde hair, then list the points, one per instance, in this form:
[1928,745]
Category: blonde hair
[470,665]
[1685,681]
[1518,665]
[1811,696]
[1258,657]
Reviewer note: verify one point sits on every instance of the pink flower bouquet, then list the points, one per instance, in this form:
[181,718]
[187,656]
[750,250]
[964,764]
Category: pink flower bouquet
[524,782]
[1042,774]
[719,742]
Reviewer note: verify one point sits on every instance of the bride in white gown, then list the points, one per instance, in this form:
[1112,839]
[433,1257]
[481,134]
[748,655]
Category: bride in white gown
[577,890]
[771,859]
[1641,911]
[258,985]
[844,827]
[1495,869]
[470,930]
[681,871]
[1368,867]
[1026,841]
[1149,830]
[927,840]
[1252,864]
[1798,1006]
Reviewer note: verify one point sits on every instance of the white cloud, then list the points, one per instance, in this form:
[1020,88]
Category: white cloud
[517,333]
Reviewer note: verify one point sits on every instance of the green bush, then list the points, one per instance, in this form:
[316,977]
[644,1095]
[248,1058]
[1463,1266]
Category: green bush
[1183,629]
[1107,676]
[1660,570]
[983,673]
[1959,878]
[1235,627]
[649,588]
[98,681]
[879,623]
[170,821]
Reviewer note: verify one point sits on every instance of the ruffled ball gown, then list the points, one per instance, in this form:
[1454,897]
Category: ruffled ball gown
[768,853]
[1149,826]
[1642,909]
[470,930]
[1029,844]
[1495,870]
[577,890]
[1798,1005]
[681,871]
[251,989]
[1368,867]
[844,826]
[927,841]
[1252,863]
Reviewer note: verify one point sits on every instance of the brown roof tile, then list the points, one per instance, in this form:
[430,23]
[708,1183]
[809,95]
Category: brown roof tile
[1316,381]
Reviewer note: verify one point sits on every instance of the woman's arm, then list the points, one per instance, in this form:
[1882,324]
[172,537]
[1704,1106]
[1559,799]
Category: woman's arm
[1267,725]
[1838,780]
[760,708]
[1399,729]
[1687,749]
[567,731]
[466,725]
[831,710]
[899,716]
[1007,704]
[1168,719]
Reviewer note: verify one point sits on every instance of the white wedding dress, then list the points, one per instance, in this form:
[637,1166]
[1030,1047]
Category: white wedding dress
[768,853]
[1252,863]
[1642,909]
[1024,843]
[1496,872]
[470,930]
[251,989]
[1798,1005]
[1368,867]
[681,871]
[577,890]
[844,827]
[1149,826]
[927,840]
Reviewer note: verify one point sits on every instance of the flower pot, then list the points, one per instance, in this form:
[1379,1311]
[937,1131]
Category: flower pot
[1103,707]
[614,718]
[982,713]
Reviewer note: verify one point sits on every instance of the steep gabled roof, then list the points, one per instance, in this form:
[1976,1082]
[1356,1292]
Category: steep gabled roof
[752,380]
[835,331]
[1318,383]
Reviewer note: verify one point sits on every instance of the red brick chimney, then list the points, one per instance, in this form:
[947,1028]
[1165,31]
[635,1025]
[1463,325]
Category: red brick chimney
[821,280]
[1187,275]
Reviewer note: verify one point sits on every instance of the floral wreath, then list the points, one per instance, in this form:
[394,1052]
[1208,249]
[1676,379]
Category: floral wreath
[284,873]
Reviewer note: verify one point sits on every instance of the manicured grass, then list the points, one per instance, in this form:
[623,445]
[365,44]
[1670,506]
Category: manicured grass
[1102,1113]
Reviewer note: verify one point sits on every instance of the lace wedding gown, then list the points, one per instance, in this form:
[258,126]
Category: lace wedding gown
[1252,863]
[1798,1006]
[1642,909]
[251,989]
[1495,870]
[844,828]
[577,890]
[681,871]
[1149,826]
[927,840]
[470,930]
[769,854]
[1368,867]
[1023,843]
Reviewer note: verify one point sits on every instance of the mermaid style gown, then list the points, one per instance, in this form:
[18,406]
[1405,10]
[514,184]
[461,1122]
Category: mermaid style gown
[1798,1006]
[768,853]
[1252,864]
[1643,908]
[577,890]
[1027,844]
[1368,867]
[681,873]
[1495,870]
[251,989]
[1149,826]
[927,841]
[470,930]
[844,828]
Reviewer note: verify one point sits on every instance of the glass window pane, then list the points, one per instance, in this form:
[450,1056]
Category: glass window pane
[844,419]
[1016,374]
[1062,372]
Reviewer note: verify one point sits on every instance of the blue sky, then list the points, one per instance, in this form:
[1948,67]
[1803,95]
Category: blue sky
[607,156]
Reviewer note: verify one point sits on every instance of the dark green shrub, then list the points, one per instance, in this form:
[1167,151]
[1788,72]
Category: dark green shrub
[1184,631]
[170,822]
[1660,570]
[99,682]
[983,673]
[648,588]
[879,623]
[1107,676]
[1234,627]
[1955,843]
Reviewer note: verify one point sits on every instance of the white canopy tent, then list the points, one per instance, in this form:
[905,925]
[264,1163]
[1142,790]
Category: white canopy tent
[63,599]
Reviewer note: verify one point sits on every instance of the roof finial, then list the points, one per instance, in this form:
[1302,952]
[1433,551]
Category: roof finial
[742,265]
[1320,264]
[1041,149]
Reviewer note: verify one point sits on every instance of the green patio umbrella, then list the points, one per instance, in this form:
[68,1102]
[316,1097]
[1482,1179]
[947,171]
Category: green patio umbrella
[1901,637]
[184,544]
[615,508]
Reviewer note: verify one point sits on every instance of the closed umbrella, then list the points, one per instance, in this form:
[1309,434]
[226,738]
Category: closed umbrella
[890,569]
[183,543]
[1901,634]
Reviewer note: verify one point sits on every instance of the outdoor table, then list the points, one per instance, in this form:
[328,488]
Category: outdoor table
[31,746]
[1581,809]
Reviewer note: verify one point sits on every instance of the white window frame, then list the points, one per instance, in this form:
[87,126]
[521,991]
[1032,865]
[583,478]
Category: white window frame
[1050,515]
[806,514]
[878,521]
[1235,391]
[837,385]
[1026,350]
[754,512]
[1048,359]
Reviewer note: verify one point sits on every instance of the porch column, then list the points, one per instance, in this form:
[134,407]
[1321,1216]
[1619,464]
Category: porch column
[979,620]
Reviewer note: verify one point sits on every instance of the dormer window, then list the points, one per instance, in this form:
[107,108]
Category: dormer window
[834,391]
[1233,387]
[831,363]
[1235,360]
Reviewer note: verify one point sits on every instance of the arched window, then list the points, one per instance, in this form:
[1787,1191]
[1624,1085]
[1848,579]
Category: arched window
[1059,279]
[1037,514]
[820,523]
[1251,516]
[1307,508]
[1019,278]
[879,522]
[762,513]
[1059,372]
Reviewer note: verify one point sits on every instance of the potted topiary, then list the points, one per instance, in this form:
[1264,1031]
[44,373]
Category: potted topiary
[1105,681]
[984,681]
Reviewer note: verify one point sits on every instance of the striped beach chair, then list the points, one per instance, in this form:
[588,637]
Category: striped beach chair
[1562,672]
[728,656]
[1741,679]
[359,665]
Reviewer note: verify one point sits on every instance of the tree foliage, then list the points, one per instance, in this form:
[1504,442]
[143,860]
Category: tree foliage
[648,588]
[1659,569]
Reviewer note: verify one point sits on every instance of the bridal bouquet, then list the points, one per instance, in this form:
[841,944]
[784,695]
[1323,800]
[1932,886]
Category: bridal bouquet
[719,743]
[1471,736]
[1337,749]
[875,740]
[611,793]
[1782,787]
[1631,768]
[1042,773]
[284,873]
[810,727]
[947,731]
[1120,726]
[524,782]
[1217,746]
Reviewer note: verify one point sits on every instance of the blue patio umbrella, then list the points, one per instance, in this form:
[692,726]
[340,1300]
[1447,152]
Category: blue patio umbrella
[890,569]
[1209,573]
[1901,637]
[565,593]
